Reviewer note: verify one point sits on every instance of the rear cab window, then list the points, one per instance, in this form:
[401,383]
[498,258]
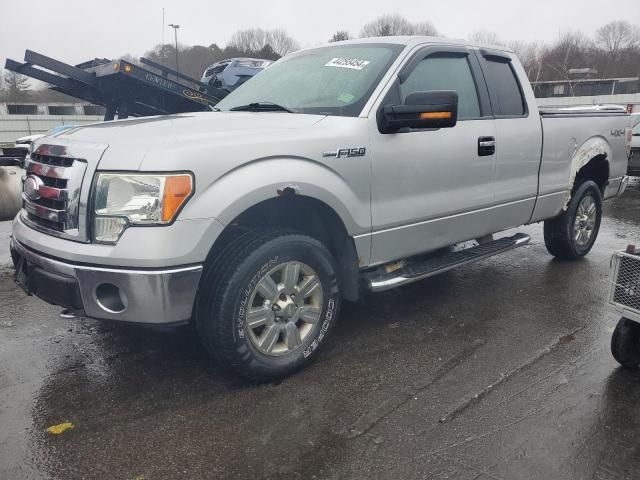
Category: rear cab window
[505,92]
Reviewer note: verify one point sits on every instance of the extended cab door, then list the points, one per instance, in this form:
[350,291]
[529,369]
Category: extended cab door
[518,138]
[433,188]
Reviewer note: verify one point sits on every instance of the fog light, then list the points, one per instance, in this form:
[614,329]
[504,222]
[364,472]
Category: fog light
[109,229]
[110,298]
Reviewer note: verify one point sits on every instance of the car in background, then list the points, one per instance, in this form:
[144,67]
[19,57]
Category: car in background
[633,169]
[231,73]
[11,150]
[20,148]
[12,163]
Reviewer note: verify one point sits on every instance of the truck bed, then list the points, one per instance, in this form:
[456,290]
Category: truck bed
[571,137]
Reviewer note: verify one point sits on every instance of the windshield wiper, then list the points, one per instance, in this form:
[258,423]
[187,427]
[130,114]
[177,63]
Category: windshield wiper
[261,107]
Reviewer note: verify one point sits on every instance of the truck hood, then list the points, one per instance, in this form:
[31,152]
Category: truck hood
[150,130]
[128,142]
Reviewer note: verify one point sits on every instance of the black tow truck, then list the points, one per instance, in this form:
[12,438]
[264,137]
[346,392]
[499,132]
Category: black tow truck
[122,87]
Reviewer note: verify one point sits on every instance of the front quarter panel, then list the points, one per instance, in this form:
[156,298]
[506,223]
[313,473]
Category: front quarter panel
[232,174]
[266,178]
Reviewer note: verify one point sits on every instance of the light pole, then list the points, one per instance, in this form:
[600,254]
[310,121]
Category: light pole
[175,34]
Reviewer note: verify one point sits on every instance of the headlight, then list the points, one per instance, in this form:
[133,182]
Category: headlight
[137,199]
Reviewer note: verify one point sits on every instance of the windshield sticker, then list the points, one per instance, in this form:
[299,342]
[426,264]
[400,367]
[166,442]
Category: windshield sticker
[352,63]
[345,97]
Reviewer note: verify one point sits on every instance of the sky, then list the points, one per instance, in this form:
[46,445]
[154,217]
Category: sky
[77,30]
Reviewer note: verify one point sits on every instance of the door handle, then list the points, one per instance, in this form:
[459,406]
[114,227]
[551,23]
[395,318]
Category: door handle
[486,146]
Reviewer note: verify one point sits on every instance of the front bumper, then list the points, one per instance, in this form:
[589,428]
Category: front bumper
[148,296]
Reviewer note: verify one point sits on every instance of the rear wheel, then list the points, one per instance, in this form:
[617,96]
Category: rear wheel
[572,234]
[625,343]
[268,302]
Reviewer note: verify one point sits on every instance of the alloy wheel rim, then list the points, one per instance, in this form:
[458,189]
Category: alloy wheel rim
[585,221]
[284,307]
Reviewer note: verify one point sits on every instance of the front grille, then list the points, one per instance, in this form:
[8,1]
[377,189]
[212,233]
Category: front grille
[54,206]
[50,160]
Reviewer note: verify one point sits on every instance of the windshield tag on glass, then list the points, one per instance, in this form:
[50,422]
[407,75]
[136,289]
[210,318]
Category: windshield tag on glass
[353,63]
[345,97]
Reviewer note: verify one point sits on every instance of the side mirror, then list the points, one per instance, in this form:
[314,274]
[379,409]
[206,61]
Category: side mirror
[434,109]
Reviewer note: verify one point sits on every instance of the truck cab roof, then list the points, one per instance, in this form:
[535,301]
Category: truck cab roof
[412,40]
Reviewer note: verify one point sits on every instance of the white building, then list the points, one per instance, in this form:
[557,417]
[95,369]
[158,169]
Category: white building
[26,118]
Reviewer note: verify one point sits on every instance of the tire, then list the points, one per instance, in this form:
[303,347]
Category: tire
[625,343]
[253,334]
[572,234]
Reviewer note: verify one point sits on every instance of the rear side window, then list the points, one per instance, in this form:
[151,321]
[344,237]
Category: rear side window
[445,72]
[506,96]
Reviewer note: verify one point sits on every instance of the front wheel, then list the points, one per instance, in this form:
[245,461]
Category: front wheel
[268,303]
[572,234]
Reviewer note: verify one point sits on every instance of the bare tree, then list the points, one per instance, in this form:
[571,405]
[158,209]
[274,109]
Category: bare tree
[256,39]
[16,87]
[250,40]
[484,36]
[527,52]
[387,25]
[280,42]
[165,55]
[529,55]
[572,50]
[394,24]
[614,37]
[195,60]
[614,51]
[339,36]
[425,28]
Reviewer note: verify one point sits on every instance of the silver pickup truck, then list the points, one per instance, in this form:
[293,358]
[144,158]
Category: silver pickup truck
[336,170]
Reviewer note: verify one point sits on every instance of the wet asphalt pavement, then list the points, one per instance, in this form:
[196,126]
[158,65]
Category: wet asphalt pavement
[500,370]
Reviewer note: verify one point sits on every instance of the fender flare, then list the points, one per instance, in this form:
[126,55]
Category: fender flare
[592,148]
[251,183]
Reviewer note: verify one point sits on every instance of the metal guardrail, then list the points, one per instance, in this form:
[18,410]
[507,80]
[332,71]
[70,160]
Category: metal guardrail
[13,127]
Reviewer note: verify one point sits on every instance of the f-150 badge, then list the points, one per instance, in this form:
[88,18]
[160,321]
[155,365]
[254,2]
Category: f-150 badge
[346,152]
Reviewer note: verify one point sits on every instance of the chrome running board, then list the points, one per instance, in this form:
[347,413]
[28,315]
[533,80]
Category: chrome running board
[380,280]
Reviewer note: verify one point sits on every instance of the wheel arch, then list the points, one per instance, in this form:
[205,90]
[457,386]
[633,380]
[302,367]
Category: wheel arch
[589,162]
[309,215]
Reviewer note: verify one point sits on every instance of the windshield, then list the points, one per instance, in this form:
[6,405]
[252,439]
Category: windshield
[636,128]
[335,80]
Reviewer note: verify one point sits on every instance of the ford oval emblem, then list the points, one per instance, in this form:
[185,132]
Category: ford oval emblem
[32,186]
